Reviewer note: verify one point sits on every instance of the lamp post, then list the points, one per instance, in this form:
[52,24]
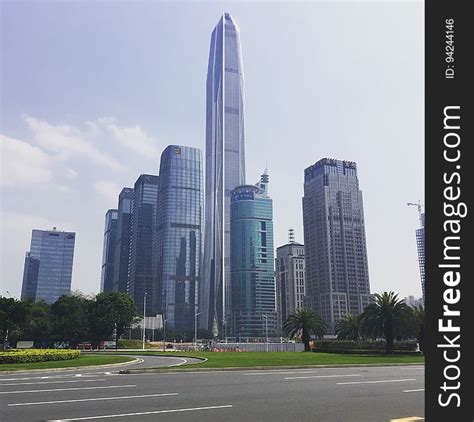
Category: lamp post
[164,334]
[144,320]
[266,331]
[195,328]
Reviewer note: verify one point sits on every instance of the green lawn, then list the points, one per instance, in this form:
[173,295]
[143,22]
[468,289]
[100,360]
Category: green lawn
[83,360]
[249,359]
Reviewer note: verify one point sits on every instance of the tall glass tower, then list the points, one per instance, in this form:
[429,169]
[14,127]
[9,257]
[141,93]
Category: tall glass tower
[48,265]
[225,167]
[337,274]
[142,239]
[108,254]
[178,250]
[252,261]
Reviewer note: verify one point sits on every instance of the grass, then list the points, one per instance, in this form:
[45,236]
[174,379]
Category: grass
[249,359]
[83,360]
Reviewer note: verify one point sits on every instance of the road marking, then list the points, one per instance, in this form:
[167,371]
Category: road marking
[375,382]
[410,419]
[93,399]
[280,372]
[50,382]
[322,376]
[66,389]
[412,391]
[155,412]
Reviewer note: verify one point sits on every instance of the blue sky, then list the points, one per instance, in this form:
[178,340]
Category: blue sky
[92,92]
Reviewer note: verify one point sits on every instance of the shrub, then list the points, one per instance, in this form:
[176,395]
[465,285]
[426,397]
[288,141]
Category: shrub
[351,345]
[37,355]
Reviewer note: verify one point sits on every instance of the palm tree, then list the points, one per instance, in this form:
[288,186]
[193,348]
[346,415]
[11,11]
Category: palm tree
[348,328]
[302,323]
[388,316]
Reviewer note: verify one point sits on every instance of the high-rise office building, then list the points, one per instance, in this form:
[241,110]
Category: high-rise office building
[48,265]
[122,245]
[178,249]
[289,280]
[142,239]
[225,166]
[337,275]
[108,254]
[252,261]
[420,245]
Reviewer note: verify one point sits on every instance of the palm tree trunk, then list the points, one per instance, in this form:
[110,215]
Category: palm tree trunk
[389,339]
[305,337]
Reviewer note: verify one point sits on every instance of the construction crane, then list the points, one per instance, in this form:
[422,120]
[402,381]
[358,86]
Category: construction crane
[420,211]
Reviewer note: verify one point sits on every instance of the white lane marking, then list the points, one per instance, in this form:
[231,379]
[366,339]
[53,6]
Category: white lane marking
[67,389]
[47,377]
[50,382]
[412,391]
[93,399]
[405,368]
[180,363]
[155,412]
[322,376]
[302,371]
[375,382]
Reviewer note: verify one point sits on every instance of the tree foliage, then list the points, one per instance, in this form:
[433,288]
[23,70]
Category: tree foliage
[304,322]
[388,317]
[348,328]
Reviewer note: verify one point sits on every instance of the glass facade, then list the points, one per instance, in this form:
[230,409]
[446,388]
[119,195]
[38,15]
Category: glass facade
[108,253]
[252,263]
[225,166]
[122,245]
[337,275]
[178,250]
[420,245]
[48,265]
[143,230]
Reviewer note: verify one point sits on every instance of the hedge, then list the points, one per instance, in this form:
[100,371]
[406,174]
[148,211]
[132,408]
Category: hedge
[351,345]
[37,355]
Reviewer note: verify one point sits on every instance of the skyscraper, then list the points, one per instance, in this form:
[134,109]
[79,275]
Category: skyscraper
[337,276]
[225,166]
[122,245]
[108,254]
[48,265]
[178,250]
[420,244]
[252,261]
[142,239]
[289,279]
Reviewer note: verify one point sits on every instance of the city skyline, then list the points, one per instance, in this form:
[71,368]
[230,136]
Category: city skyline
[45,133]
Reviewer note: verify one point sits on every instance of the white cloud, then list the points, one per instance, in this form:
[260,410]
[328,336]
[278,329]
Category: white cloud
[22,163]
[133,138]
[109,191]
[67,141]
[71,174]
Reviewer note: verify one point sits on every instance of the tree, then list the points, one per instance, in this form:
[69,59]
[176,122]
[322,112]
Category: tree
[13,315]
[111,311]
[39,325]
[348,328]
[70,318]
[389,317]
[302,323]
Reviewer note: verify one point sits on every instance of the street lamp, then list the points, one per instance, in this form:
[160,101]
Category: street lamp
[266,331]
[144,320]
[195,328]
[164,334]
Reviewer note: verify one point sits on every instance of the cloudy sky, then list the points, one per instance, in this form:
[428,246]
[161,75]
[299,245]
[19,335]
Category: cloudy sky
[92,92]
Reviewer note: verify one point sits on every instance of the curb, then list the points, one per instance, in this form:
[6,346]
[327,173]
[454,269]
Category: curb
[260,368]
[72,368]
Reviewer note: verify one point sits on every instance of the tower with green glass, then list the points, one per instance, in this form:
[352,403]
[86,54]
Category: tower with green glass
[252,261]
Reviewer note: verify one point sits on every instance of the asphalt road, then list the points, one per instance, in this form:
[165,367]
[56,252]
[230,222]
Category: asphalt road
[365,394]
